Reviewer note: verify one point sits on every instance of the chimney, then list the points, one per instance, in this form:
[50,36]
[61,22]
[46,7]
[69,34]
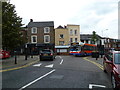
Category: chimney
[31,20]
[65,26]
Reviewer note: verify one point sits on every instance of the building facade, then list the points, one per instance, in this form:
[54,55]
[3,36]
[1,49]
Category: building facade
[86,38]
[40,35]
[74,33]
[41,32]
[112,43]
[66,35]
[61,36]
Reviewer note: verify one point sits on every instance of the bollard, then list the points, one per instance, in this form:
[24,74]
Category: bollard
[15,57]
[25,53]
[25,57]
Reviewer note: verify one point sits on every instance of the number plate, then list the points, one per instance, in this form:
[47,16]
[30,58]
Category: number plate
[45,54]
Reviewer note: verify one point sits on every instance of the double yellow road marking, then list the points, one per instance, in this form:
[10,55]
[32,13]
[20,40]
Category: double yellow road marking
[97,64]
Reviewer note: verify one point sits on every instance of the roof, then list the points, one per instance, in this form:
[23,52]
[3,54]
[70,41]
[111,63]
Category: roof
[59,27]
[41,24]
[87,36]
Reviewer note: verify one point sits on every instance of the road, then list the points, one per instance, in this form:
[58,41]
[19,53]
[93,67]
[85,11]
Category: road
[63,72]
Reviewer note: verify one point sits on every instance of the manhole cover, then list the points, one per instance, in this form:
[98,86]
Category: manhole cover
[56,76]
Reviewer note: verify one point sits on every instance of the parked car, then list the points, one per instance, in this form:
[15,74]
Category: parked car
[111,64]
[4,54]
[47,54]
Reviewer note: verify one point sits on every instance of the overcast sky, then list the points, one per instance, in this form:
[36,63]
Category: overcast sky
[91,15]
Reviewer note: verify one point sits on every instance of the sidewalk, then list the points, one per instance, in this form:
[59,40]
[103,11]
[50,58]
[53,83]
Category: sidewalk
[10,62]
[99,60]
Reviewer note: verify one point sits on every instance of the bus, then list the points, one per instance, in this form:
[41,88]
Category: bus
[82,49]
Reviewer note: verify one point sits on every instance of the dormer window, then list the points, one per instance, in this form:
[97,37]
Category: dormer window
[46,30]
[34,30]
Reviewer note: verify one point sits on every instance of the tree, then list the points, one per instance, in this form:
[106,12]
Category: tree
[94,37]
[11,25]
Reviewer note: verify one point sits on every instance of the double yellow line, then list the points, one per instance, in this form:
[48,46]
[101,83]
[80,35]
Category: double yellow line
[97,64]
[19,67]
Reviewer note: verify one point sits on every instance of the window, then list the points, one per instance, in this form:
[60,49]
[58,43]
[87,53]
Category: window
[46,30]
[71,32]
[46,39]
[34,39]
[33,30]
[117,58]
[61,42]
[109,56]
[61,36]
[75,39]
[71,40]
[75,32]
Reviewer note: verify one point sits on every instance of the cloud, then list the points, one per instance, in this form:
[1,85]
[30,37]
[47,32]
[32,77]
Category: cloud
[89,14]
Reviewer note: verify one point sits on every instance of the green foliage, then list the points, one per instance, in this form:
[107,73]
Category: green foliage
[94,37]
[11,26]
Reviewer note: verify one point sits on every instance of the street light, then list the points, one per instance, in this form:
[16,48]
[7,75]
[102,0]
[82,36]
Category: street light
[104,30]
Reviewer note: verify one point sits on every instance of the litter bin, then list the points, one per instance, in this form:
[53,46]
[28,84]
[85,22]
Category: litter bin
[95,54]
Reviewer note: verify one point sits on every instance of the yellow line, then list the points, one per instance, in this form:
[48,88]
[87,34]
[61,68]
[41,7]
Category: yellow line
[19,67]
[97,64]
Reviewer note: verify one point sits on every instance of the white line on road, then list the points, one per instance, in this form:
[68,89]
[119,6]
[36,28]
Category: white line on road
[61,61]
[37,79]
[91,86]
[50,66]
[60,57]
[38,65]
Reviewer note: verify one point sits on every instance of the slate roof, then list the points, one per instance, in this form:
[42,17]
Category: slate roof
[87,36]
[41,24]
[59,27]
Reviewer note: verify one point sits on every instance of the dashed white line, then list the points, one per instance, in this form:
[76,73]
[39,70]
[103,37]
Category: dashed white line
[37,79]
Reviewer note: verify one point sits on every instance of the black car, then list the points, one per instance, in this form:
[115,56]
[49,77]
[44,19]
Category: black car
[47,54]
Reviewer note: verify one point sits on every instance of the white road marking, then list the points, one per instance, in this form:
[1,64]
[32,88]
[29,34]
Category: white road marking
[37,79]
[91,85]
[60,57]
[61,61]
[56,56]
[38,65]
[50,66]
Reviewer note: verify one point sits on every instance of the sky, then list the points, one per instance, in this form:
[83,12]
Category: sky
[100,16]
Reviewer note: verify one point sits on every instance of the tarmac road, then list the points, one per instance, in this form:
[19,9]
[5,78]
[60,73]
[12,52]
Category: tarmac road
[63,72]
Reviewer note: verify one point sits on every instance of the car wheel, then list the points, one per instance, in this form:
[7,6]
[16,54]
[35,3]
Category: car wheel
[113,81]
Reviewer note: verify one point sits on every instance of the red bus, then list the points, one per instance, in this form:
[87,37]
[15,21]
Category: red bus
[82,49]
[4,54]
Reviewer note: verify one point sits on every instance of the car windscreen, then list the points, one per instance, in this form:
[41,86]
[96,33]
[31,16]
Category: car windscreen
[46,51]
[117,58]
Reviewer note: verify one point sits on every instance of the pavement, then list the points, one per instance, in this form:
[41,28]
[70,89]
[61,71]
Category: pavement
[20,61]
[99,60]
[9,63]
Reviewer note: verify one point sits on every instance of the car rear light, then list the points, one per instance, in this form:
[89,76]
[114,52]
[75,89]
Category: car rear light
[51,54]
